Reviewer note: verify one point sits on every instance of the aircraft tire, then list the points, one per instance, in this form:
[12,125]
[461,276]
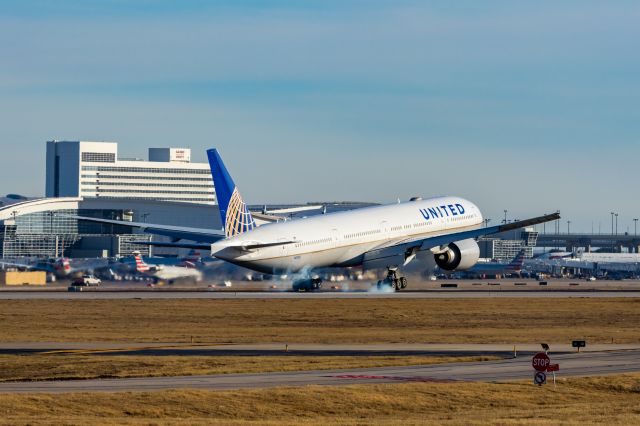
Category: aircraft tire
[403,282]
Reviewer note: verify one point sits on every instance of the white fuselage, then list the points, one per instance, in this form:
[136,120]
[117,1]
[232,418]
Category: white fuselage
[342,239]
[168,273]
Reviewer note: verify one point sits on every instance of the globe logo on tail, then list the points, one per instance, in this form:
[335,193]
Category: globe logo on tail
[238,217]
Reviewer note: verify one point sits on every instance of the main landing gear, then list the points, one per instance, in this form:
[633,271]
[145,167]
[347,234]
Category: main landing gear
[309,284]
[393,281]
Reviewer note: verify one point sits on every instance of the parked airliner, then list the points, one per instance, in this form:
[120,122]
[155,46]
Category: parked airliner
[167,273]
[381,237]
[60,268]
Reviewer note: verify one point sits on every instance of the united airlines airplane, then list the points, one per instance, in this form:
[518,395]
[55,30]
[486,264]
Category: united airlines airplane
[381,237]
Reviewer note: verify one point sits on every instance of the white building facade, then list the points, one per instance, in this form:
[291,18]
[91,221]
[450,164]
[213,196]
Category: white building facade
[93,170]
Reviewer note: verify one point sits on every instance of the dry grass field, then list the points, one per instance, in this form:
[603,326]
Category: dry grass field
[323,321]
[578,401]
[65,367]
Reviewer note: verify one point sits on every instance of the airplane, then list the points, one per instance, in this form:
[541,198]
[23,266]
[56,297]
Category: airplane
[60,268]
[495,269]
[382,236]
[166,273]
[555,255]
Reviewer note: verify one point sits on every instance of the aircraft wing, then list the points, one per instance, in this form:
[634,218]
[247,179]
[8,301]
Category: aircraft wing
[22,265]
[201,235]
[404,250]
[442,240]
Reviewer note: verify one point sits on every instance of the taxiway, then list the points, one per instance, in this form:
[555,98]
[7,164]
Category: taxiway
[574,364]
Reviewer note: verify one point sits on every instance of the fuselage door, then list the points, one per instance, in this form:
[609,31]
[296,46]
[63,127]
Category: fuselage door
[384,227]
[284,248]
[335,237]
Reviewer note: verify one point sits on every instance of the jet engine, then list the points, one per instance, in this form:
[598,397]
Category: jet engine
[458,256]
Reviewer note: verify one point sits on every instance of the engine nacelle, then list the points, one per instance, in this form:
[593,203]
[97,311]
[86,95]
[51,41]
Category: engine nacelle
[459,256]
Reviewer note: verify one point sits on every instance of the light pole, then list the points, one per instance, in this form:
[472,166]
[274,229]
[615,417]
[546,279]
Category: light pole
[612,213]
[505,217]
[486,222]
[616,223]
[635,227]
[568,227]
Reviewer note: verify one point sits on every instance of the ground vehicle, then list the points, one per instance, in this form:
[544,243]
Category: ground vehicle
[87,280]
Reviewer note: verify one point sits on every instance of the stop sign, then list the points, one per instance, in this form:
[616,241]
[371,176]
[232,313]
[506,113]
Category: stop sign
[540,361]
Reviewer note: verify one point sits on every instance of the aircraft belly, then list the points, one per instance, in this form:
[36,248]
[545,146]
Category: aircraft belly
[296,263]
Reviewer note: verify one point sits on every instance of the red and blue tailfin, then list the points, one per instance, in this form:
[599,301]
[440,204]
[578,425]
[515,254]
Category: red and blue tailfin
[517,262]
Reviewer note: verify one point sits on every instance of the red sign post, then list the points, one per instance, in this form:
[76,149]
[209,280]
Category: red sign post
[540,361]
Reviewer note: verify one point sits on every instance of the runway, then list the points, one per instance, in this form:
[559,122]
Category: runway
[430,294]
[574,364]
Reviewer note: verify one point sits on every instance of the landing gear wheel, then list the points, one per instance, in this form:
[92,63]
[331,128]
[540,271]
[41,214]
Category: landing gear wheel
[403,282]
[395,286]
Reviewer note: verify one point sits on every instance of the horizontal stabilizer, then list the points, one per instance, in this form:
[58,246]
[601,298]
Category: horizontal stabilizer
[177,232]
[267,217]
[292,210]
[194,246]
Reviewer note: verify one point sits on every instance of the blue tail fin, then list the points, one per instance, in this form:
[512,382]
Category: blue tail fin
[234,213]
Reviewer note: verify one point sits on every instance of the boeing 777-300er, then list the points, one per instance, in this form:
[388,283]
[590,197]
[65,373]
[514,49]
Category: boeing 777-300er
[387,236]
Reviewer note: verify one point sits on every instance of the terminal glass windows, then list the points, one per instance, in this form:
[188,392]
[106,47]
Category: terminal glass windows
[156,178]
[99,157]
[60,223]
[146,170]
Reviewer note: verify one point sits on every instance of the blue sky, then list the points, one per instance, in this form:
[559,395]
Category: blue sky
[519,105]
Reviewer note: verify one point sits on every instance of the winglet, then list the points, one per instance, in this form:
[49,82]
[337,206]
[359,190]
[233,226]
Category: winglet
[234,213]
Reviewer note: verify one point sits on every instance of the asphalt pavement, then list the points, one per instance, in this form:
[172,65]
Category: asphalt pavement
[294,349]
[571,364]
[432,294]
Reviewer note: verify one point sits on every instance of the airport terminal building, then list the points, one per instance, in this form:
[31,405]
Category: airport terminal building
[43,228]
[93,169]
[86,178]
[505,246]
